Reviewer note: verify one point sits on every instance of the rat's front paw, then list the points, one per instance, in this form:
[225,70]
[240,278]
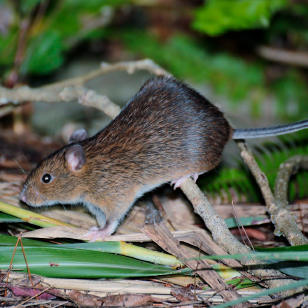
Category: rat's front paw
[95,233]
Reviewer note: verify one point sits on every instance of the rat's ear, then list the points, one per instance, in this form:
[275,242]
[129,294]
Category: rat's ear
[75,157]
[78,135]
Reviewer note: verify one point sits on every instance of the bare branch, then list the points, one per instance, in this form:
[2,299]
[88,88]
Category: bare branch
[284,56]
[257,173]
[220,232]
[73,89]
[285,222]
[130,67]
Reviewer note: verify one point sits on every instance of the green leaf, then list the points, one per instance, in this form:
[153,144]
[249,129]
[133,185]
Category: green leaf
[246,221]
[219,16]
[286,255]
[70,19]
[283,288]
[5,218]
[129,250]
[76,263]
[44,54]
[7,240]
[241,284]
[292,268]
[77,260]
[222,71]
[294,261]
[92,5]
[122,248]
[28,5]
[8,45]
[282,249]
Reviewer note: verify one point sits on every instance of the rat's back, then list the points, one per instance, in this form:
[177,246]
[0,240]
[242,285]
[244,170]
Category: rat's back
[167,130]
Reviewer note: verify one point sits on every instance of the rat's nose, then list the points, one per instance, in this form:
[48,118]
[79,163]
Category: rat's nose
[23,197]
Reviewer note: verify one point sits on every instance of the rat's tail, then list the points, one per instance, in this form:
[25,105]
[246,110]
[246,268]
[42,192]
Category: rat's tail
[269,131]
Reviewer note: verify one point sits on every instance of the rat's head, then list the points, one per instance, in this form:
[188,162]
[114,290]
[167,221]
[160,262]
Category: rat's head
[58,178]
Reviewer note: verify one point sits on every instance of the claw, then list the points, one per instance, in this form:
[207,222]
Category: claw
[178,182]
[195,176]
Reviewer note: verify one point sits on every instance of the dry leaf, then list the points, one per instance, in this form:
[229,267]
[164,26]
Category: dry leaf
[29,292]
[85,299]
[128,300]
[183,294]
[58,232]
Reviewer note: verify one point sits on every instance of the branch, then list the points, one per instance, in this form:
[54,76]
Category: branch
[73,89]
[219,230]
[283,56]
[130,67]
[284,220]
[259,176]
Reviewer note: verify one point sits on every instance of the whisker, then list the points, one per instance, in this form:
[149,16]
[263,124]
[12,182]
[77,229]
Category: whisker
[16,162]
[43,198]
[18,175]
[26,160]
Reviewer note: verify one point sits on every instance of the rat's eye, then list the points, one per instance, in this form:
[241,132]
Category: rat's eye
[46,178]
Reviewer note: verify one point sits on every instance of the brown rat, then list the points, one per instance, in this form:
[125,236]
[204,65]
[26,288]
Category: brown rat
[166,133]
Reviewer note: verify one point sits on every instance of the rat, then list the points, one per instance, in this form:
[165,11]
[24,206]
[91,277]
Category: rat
[166,133]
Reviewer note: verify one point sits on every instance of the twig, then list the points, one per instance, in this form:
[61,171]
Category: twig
[130,67]
[283,56]
[24,254]
[10,266]
[73,89]
[56,95]
[241,227]
[259,176]
[277,207]
[284,220]
[220,232]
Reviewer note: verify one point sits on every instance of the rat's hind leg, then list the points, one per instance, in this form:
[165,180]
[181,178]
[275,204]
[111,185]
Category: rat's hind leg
[178,182]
